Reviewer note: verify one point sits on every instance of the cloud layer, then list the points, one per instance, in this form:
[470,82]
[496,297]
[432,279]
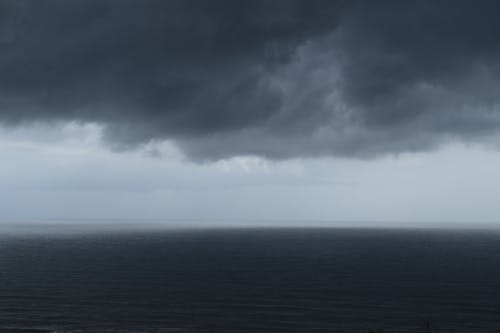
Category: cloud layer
[272,78]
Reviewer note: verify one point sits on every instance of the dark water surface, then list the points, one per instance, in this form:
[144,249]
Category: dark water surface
[251,280]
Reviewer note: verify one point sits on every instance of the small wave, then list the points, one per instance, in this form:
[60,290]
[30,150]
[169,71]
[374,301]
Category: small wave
[24,330]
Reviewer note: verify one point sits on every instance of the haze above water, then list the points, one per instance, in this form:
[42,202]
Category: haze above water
[82,227]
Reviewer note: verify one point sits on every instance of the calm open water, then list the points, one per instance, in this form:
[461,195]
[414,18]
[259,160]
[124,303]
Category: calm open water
[251,280]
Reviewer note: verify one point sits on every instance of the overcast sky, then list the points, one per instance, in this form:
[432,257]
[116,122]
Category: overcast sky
[237,111]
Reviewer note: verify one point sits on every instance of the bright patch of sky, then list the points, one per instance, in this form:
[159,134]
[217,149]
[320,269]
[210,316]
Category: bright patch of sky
[64,172]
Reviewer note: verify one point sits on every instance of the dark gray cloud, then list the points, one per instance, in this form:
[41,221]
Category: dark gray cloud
[273,78]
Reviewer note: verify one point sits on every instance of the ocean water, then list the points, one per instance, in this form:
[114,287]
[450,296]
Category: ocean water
[251,280]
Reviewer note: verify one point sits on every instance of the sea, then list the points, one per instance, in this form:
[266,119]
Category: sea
[249,280]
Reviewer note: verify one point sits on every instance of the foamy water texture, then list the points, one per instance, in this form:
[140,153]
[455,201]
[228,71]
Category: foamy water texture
[250,280]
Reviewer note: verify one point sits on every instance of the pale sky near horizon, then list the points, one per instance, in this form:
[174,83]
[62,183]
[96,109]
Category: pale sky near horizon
[64,172]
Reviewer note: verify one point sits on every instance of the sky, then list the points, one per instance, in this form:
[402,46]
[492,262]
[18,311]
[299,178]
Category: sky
[240,112]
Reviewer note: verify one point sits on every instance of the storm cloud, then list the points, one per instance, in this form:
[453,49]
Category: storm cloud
[272,78]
